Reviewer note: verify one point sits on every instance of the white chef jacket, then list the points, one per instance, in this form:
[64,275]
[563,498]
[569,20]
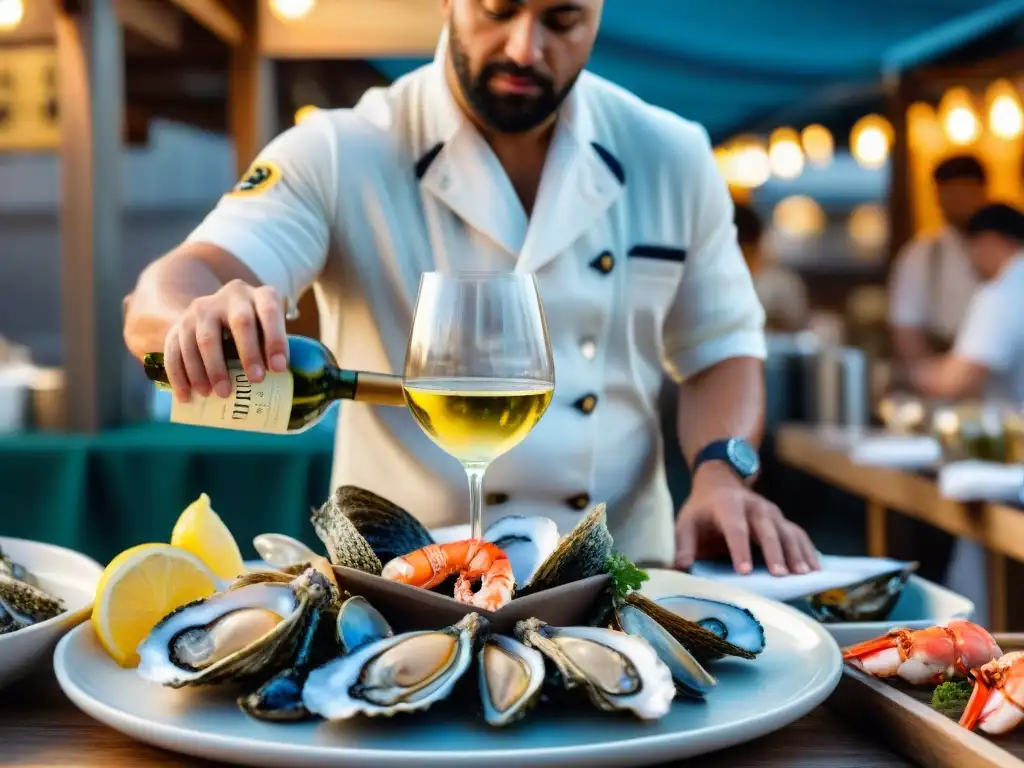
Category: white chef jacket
[932,284]
[631,242]
[992,333]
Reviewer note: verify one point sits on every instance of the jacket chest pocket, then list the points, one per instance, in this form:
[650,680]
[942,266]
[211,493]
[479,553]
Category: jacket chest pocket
[653,273]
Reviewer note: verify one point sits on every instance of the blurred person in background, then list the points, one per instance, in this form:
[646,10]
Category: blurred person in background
[987,359]
[933,279]
[632,241]
[781,290]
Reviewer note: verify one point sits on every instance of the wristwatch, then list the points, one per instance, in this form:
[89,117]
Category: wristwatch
[736,452]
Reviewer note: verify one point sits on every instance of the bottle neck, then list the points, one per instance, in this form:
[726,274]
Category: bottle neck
[343,383]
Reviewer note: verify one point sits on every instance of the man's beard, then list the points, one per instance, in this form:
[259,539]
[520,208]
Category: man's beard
[506,113]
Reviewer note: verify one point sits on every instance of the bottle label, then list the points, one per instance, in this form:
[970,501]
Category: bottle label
[263,407]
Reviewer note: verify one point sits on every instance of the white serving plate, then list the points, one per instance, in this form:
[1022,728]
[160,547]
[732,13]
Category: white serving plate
[921,604]
[799,668]
[66,574]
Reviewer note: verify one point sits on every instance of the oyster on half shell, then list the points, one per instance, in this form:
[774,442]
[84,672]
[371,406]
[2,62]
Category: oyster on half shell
[237,634]
[617,671]
[403,673]
[511,676]
[527,541]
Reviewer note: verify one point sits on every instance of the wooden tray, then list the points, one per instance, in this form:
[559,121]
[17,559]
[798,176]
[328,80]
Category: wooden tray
[899,714]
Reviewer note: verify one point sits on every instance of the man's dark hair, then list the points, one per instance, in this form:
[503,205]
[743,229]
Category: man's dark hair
[1000,219]
[748,224]
[960,167]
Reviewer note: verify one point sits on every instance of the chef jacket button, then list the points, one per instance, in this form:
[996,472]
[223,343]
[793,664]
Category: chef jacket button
[494,499]
[604,263]
[586,404]
[580,501]
[588,348]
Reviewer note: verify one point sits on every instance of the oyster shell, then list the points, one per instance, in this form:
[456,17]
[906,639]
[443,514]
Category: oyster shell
[617,671]
[402,673]
[527,541]
[389,530]
[237,634]
[708,629]
[345,545]
[511,676]
[24,604]
[580,555]
[16,571]
[690,677]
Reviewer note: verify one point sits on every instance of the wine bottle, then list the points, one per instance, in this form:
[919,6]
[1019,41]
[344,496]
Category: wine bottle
[287,402]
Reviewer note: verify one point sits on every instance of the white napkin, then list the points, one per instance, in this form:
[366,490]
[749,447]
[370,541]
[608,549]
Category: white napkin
[982,481]
[897,451]
[835,572]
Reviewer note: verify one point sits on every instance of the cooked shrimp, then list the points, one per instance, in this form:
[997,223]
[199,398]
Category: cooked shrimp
[472,559]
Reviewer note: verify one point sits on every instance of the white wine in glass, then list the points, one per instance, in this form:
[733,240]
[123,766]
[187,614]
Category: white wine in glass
[478,368]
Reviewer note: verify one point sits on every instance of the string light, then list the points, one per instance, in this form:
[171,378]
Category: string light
[818,145]
[750,166]
[868,227]
[785,156]
[870,141]
[958,118]
[799,216]
[11,14]
[1005,117]
[291,10]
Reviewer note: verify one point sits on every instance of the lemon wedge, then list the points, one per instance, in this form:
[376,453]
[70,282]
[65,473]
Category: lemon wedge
[200,531]
[138,588]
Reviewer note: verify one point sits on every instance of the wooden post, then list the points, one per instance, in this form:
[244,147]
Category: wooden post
[90,64]
[877,538]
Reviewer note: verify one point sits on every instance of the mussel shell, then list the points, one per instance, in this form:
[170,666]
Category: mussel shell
[646,681]
[359,624]
[869,600]
[298,603]
[526,662]
[580,555]
[389,530]
[26,604]
[708,629]
[691,678]
[527,541]
[332,690]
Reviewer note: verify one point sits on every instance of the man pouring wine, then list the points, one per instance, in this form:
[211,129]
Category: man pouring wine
[502,155]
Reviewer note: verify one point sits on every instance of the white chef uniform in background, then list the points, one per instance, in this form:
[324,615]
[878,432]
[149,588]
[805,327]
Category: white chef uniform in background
[634,251]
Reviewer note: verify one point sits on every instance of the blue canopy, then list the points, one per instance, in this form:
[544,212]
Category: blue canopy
[731,64]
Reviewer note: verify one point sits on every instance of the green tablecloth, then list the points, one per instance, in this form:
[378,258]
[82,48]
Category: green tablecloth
[100,494]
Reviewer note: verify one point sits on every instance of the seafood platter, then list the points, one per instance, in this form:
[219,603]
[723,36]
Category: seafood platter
[45,590]
[945,696]
[388,629]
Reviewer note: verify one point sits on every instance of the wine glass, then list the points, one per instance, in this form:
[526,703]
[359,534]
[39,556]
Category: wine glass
[478,368]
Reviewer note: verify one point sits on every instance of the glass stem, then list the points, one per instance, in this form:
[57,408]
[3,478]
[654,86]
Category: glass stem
[475,473]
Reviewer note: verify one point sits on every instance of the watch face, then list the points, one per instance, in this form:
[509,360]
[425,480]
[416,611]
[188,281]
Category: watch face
[743,457]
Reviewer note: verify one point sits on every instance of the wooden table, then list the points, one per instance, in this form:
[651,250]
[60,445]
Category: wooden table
[40,728]
[820,452]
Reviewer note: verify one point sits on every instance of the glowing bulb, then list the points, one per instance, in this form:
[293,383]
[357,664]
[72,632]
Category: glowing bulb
[818,144]
[751,166]
[799,216]
[785,156]
[1005,117]
[11,14]
[958,118]
[868,226]
[291,10]
[304,112]
[870,140]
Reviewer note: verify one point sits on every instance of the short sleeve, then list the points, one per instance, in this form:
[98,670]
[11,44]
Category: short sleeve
[987,335]
[716,313]
[277,219]
[908,294]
